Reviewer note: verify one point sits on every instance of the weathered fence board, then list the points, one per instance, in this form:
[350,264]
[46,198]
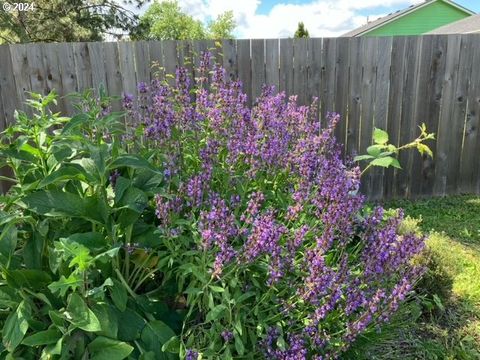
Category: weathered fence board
[394,83]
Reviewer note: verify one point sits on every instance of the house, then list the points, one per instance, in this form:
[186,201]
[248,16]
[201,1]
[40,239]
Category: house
[469,25]
[415,20]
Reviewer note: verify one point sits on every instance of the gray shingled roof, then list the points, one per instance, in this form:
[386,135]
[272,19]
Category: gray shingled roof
[469,25]
[373,24]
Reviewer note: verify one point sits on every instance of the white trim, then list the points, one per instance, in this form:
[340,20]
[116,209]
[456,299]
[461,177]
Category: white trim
[415,8]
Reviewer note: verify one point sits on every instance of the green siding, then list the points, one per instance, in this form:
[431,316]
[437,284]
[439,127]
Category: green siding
[421,21]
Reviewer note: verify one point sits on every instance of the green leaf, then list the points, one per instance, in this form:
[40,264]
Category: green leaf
[119,295]
[374,150]
[155,334]
[215,312]
[108,319]
[52,349]
[121,185]
[30,149]
[134,199]
[384,161]
[27,278]
[132,161]
[172,345]
[103,348]
[396,164]
[239,343]
[46,337]
[130,326]
[217,289]
[64,284]
[363,157]
[424,149]
[15,327]
[8,240]
[69,172]
[59,203]
[80,315]
[380,136]
[94,241]
[75,122]
[99,290]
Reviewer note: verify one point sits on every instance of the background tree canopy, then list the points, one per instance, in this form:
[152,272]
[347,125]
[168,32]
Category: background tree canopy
[166,21]
[67,20]
[301,31]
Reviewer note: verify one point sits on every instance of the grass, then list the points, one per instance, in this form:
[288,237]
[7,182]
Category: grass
[443,321]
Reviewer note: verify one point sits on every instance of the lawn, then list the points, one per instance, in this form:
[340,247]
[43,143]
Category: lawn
[447,310]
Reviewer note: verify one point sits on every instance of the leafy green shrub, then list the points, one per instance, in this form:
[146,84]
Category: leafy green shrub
[205,229]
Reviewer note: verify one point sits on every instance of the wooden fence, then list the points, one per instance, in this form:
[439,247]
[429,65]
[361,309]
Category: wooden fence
[394,83]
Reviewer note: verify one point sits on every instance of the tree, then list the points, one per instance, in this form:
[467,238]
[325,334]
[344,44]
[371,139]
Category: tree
[301,32]
[223,26]
[166,21]
[67,20]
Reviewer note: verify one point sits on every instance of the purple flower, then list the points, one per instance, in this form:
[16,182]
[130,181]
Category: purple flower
[227,335]
[191,355]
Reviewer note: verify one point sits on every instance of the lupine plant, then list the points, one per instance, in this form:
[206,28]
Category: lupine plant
[205,229]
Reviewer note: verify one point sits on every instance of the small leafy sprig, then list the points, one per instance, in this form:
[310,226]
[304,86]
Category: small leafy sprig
[383,154]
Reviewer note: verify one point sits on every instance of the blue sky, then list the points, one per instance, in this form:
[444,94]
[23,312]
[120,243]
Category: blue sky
[266,5]
[279,18]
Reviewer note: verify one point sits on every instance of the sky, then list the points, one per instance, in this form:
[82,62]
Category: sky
[279,19]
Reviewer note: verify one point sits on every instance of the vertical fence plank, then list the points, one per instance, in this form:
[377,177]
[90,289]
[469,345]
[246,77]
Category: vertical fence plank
[258,67]
[328,75]
[469,163]
[244,67]
[433,104]
[342,63]
[459,113]
[52,73]
[407,124]
[369,62]
[314,69]
[155,52]
[36,68]
[7,85]
[420,111]
[68,75]
[380,112]
[286,66]
[83,66]
[199,47]
[445,126]
[97,61]
[355,95]
[397,79]
[300,61]
[114,76]
[127,67]
[272,63]
[230,63]
[20,73]
[142,61]
[170,59]
[7,102]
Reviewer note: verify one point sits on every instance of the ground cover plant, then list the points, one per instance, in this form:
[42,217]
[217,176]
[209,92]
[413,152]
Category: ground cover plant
[202,229]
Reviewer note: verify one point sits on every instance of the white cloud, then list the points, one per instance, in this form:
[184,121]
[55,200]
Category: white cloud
[321,17]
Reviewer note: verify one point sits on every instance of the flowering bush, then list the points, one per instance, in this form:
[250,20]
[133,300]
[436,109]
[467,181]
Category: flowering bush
[205,229]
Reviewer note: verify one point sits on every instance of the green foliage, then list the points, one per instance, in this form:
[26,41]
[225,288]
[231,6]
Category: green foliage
[301,31]
[448,295]
[165,20]
[70,285]
[383,154]
[66,21]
